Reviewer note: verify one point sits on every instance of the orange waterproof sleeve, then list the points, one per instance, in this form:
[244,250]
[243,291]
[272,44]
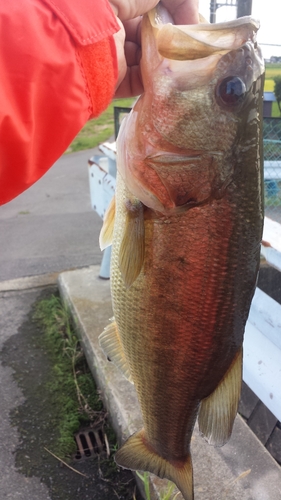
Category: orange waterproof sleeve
[58,69]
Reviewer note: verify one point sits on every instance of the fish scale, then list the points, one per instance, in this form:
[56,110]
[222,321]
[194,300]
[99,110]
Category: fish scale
[200,313]
[186,232]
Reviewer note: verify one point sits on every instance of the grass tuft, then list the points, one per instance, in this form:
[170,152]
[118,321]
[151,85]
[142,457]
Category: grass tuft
[71,386]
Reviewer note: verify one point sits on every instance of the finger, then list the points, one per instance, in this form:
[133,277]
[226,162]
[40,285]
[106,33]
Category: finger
[119,39]
[132,53]
[131,85]
[133,30]
[183,11]
[125,9]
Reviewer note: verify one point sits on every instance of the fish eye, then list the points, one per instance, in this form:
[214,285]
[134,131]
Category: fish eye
[231,90]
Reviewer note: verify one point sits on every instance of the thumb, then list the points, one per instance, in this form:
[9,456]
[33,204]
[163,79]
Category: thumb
[129,9]
[119,39]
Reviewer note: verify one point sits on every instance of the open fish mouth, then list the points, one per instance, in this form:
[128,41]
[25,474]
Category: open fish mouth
[199,40]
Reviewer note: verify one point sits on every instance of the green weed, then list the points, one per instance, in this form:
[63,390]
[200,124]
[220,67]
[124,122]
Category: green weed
[145,479]
[164,495]
[71,386]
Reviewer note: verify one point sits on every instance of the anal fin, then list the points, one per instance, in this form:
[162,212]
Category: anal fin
[132,247]
[135,454]
[110,343]
[217,412]
[106,233]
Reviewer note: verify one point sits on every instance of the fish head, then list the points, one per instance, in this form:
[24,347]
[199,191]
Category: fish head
[202,89]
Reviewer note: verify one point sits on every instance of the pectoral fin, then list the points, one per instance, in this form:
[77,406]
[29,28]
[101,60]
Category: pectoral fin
[110,343]
[135,454]
[132,248]
[218,411]
[106,233]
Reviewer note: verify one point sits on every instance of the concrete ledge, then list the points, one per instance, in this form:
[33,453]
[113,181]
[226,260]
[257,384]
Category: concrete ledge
[28,282]
[242,469]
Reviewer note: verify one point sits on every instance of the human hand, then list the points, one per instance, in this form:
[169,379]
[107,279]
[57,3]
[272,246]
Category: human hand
[128,39]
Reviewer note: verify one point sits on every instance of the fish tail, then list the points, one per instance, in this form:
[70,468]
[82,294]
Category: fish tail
[135,454]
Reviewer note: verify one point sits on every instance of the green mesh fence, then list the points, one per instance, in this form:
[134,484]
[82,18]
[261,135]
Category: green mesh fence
[272,167]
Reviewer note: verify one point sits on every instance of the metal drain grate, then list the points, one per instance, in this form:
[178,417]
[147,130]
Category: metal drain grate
[91,443]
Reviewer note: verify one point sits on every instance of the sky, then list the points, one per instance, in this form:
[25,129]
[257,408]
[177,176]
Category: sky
[268,12]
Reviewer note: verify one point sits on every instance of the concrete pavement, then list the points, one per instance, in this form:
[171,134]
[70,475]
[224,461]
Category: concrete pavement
[51,226]
[15,307]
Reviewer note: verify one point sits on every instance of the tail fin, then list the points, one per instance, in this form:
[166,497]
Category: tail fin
[135,455]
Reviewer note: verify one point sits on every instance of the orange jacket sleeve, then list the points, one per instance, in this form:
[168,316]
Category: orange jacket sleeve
[58,69]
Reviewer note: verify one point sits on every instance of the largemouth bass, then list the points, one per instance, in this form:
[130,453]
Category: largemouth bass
[186,229]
